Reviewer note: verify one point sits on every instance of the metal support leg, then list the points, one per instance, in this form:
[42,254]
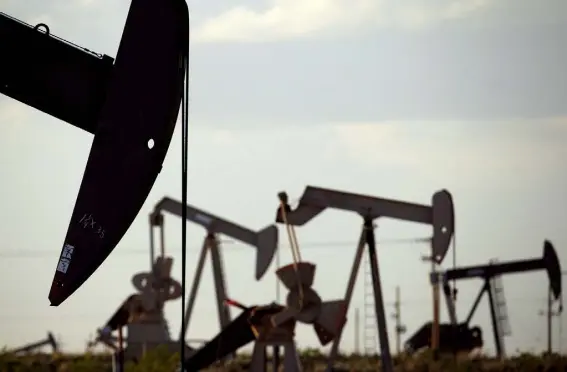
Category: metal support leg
[258,362]
[476,302]
[156,222]
[152,245]
[276,358]
[116,365]
[291,358]
[118,356]
[450,304]
[291,362]
[220,287]
[385,356]
[220,284]
[195,286]
[348,297]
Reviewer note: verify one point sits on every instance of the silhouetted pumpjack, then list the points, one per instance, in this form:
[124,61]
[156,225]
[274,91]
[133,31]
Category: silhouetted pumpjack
[264,241]
[440,215]
[48,341]
[456,337]
[130,104]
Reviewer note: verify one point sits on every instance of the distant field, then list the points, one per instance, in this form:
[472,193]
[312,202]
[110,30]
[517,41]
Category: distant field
[160,361]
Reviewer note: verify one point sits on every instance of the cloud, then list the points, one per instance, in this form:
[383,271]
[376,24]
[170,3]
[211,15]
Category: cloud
[366,141]
[559,124]
[286,19]
[470,152]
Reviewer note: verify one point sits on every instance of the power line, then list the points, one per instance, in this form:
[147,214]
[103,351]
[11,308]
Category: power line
[404,303]
[31,253]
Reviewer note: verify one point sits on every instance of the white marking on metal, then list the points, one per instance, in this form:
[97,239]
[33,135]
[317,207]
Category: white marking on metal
[65,260]
[204,219]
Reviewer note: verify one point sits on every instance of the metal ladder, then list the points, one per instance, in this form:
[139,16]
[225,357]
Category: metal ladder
[370,336]
[500,308]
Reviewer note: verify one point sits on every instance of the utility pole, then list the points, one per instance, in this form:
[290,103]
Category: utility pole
[550,314]
[400,328]
[559,312]
[560,346]
[549,322]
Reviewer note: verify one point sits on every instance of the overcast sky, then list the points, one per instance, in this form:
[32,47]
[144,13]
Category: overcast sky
[394,99]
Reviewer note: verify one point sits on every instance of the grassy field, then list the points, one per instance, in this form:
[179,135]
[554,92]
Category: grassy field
[160,361]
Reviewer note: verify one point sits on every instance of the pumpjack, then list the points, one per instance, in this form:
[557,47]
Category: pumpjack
[48,341]
[315,200]
[141,314]
[461,337]
[129,103]
[264,242]
[273,325]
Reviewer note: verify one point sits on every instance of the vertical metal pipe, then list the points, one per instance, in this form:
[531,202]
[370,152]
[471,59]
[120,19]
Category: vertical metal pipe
[356,331]
[162,236]
[152,242]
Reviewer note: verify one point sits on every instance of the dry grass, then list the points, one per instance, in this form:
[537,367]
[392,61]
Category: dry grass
[161,361]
